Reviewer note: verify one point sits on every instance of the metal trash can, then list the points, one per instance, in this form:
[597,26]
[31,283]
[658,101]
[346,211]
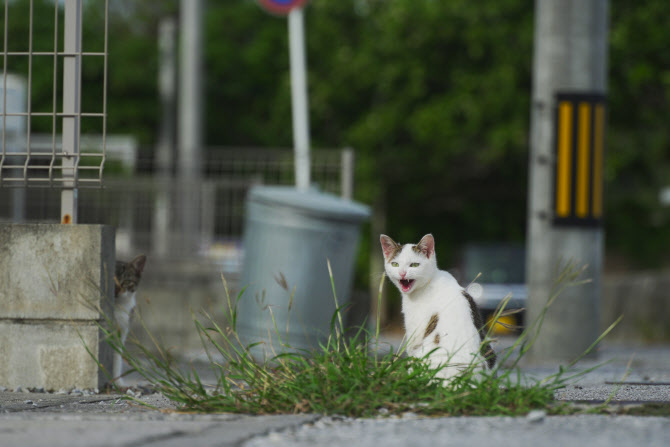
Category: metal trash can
[293,233]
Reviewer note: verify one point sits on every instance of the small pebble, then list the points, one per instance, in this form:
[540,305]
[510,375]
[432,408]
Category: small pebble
[136,394]
[536,416]
[320,424]
[18,389]
[61,391]
[275,437]
[3,388]
[419,404]
[27,401]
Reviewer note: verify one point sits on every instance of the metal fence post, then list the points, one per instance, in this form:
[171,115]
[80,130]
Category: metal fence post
[190,120]
[207,212]
[165,150]
[71,108]
[347,174]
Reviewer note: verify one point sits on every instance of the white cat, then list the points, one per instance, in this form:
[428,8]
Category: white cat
[126,278]
[439,314]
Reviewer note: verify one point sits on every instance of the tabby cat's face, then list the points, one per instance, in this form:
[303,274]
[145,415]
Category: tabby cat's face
[409,266]
[127,275]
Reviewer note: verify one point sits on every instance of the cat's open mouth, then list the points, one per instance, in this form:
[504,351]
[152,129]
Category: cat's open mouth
[406,284]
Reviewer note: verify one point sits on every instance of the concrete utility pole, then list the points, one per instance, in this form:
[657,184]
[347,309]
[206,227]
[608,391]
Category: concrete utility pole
[190,119]
[566,159]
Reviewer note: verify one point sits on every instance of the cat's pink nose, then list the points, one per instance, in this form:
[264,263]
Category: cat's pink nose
[402,274]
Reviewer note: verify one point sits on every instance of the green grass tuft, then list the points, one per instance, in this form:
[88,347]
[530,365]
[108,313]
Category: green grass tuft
[348,375]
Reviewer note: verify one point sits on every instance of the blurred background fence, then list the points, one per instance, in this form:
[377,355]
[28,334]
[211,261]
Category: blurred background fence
[55,148]
[142,206]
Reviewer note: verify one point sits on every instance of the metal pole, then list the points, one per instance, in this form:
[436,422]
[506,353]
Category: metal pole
[296,37]
[347,179]
[167,87]
[71,108]
[570,54]
[190,119]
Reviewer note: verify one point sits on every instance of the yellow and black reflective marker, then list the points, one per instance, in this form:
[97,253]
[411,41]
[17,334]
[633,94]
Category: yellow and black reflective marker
[579,143]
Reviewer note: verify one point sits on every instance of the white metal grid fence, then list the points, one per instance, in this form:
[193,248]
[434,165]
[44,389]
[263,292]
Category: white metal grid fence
[65,165]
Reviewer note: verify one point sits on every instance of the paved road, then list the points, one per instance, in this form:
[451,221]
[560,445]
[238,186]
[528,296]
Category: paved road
[589,431]
[40,419]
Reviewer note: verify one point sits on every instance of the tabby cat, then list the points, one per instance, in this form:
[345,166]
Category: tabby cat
[126,280]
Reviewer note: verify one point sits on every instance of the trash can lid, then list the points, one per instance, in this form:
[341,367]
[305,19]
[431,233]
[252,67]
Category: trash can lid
[312,202]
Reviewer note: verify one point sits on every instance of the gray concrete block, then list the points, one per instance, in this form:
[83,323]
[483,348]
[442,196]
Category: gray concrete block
[52,354]
[52,271]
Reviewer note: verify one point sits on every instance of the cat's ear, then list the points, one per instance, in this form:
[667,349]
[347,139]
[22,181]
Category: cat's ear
[426,245]
[389,247]
[138,263]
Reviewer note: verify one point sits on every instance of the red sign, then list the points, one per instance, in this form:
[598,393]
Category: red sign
[281,7]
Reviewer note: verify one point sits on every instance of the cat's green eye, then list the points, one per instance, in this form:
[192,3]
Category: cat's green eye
[394,264]
[414,264]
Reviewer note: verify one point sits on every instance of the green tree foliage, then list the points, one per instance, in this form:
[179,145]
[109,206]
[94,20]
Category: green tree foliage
[436,104]
[638,140]
[247,86]
[132,66]
[432,94]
